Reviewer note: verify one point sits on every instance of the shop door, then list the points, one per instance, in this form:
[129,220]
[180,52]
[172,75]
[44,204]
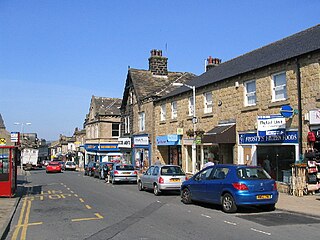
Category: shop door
[247,156]
[276,160]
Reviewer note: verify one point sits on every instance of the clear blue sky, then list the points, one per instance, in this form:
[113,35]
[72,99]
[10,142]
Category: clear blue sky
[56,54]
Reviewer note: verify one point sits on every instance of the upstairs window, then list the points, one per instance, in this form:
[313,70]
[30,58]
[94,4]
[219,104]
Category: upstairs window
[191,107]
[163,112]
[174,110]
[115,129]
[142,121]
[207,102]
[279,87]
[250,97]
[127,124]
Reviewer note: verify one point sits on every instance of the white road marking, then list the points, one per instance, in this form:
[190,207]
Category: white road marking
[259,231]
[231,223]
[205,216]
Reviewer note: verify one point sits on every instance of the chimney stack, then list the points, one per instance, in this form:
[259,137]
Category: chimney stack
[212,62]
[158,64]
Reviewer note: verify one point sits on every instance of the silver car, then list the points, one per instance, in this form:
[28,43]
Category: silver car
[123,173]
[162,178]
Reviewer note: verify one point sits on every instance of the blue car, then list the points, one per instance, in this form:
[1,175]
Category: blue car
[231,186]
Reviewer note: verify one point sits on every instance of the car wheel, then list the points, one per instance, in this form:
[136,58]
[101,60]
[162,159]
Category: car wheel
[186,196]
[268,207]
[156,190]
[140,187]
[228,204]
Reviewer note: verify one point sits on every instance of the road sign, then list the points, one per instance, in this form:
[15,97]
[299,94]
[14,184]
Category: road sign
[286,111]
[3,141]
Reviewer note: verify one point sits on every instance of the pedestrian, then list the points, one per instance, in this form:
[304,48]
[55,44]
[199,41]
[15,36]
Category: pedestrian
[157,162]
[108,173]
[209,163]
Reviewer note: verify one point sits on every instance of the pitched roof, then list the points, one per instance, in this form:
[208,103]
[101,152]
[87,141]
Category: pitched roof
[147,85]
[290,47]
[2,126]
[107,106]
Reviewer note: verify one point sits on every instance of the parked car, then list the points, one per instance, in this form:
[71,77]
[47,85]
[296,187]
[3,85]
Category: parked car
[123,173]
[70,166]
[106,166]
[232,186]
[53,167]
[89,170]
[162,178]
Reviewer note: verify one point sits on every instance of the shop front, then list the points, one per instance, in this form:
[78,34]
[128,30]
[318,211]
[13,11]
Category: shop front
[124,144]
[103,152]
[275,153]
[169,147]
[141,150]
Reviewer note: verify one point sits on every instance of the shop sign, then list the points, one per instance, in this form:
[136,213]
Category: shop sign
[124,142]
[168,140]
[314,117]
[273,125]
[3,141]
[143,140]
[101,147]
[188,141]
[14,137]
[252,138]
[179,131]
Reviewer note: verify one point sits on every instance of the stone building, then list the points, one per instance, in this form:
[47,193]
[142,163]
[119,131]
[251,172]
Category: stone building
[141,89]
[253,108]
[102,126]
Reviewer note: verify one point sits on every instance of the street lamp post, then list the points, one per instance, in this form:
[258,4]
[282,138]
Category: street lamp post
[21,133]
[194,123]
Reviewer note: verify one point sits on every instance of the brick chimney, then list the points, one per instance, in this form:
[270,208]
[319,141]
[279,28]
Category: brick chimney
[158,64]
[212,62]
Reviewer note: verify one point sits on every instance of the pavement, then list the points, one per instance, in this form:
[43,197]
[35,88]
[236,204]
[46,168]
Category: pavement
[306,205]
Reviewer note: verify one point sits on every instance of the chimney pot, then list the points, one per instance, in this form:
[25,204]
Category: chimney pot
[158,63]
[212,62]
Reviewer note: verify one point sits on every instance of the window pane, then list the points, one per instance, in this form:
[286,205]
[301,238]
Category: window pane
[280,79]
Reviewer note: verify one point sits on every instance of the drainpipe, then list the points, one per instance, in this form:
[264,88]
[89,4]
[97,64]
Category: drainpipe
[298,75]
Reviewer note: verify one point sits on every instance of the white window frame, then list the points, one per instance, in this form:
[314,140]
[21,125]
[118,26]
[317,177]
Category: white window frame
[163,112]
[250,94]
[174,110]
[279,87]
[191,107]
[207,103]
[142,117]
[127,124]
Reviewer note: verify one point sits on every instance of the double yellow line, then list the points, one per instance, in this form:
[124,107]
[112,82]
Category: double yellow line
[26,207]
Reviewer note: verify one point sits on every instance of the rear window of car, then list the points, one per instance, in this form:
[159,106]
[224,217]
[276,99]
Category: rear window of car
[172,170]
[124,167]
[252,173]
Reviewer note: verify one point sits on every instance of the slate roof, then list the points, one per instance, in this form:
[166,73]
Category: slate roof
[290,47]
[107,106]
[2,126]
[146,85]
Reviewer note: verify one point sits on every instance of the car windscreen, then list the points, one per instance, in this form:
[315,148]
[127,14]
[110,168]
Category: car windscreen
[124,167]
[252,173]
[171,170]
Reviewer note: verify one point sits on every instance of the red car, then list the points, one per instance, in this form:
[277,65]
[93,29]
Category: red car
[53,167]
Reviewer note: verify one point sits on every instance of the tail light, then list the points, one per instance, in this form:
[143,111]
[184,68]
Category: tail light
[160,180]
[135,172]
[187,178]
[93,168]
[240,186]
[115,172]
[275,186]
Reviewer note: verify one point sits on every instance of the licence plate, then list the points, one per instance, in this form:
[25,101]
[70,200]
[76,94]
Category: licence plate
[259,197]
[175,180]
[126,173]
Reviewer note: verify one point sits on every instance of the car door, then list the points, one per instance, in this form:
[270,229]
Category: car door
[215,184]
[198,188]
[154,176]
[147,178]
